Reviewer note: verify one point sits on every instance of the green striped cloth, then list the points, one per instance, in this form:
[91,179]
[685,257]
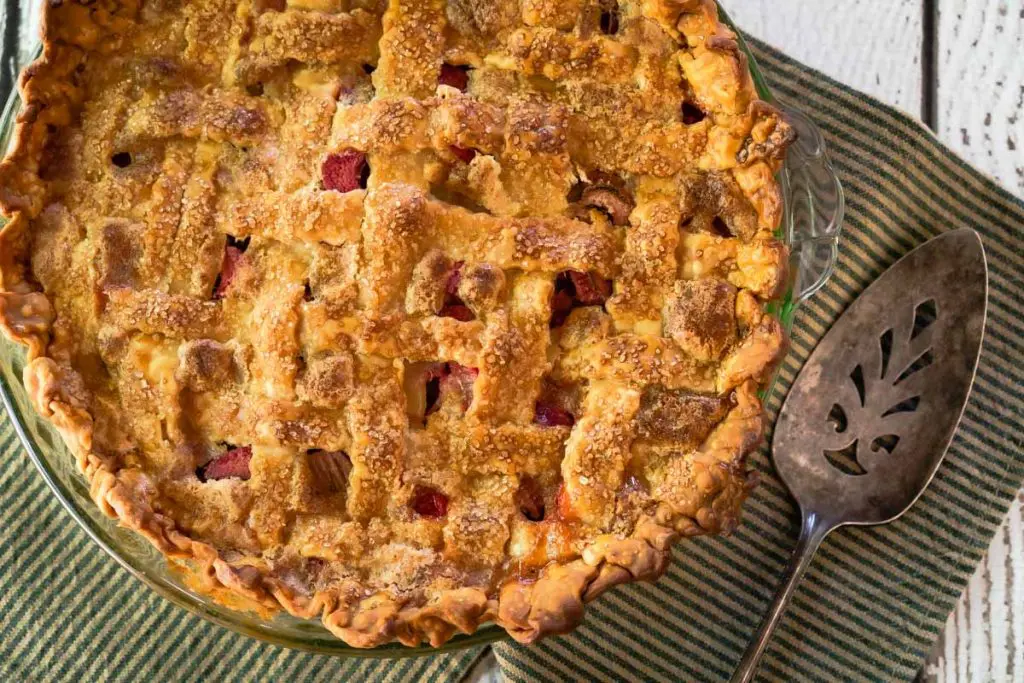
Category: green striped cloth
[869,609]
[68,612]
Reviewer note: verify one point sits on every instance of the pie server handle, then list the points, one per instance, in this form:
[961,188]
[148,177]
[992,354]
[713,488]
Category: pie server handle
[813,531]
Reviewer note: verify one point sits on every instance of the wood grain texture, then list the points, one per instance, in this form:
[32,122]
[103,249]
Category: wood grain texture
[980,94]
[984,636]
[980,108]
[871,45]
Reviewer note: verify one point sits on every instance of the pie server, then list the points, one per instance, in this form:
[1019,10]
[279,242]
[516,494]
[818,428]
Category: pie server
[875,407]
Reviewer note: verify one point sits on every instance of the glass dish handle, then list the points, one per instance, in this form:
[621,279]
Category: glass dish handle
[814,207]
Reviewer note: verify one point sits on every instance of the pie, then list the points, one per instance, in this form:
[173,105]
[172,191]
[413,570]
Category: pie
[407,315]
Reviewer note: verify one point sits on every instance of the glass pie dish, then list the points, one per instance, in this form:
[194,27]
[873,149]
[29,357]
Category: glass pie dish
[811,223]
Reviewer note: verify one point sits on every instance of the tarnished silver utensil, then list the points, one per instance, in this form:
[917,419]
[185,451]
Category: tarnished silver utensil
[875,407]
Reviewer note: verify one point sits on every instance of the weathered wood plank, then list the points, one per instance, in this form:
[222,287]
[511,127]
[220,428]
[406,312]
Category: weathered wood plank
[984,636]
[980,111]
[871,45]
[981,85]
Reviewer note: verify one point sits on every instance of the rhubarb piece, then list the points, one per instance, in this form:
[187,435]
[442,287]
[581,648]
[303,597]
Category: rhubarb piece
[451,287]
[455,76]
[692,113]
[561,305]
[231,464]
[616,206]
[460,312]
[459,379]
[345,171]
[563,506]
[454,306]
[548,415]
[572,289]
[428,502]
[465,154]
[228,269]
[590,289]
[330,470]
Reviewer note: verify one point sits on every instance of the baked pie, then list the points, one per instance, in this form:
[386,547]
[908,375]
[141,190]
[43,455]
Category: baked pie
[409,315]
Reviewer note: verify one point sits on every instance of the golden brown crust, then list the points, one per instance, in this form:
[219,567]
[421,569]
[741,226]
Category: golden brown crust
[407,406]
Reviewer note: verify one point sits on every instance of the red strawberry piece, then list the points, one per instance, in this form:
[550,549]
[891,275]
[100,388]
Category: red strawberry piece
[330,470]
[231,463]
[228,269]
[455,76]
[460,379]
[590,289]
[344,171]
[428,502]
[460,312]
[465,154]
[548,415]
[530,499]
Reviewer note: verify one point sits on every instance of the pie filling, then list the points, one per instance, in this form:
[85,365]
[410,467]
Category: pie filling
[405,315]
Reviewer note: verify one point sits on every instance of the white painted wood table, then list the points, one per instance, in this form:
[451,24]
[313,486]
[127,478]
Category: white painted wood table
[959,66]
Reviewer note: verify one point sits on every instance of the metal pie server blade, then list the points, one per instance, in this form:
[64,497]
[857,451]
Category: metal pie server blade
[872,412]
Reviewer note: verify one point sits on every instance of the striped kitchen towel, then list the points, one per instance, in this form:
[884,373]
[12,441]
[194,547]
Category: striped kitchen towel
[68,612]
[869,609]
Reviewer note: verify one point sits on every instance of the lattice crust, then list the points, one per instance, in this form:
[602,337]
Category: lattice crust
[410,315]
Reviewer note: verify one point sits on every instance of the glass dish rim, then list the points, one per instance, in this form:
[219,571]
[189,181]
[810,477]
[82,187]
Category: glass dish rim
[263,630]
